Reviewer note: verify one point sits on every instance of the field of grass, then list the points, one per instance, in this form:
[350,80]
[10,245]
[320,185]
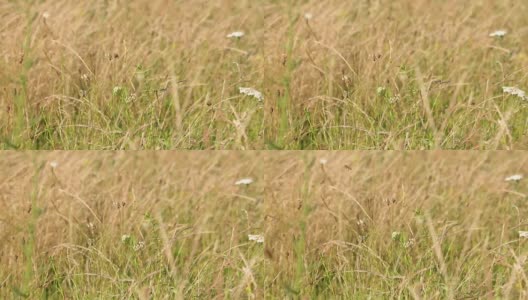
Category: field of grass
[244,77]
[346,225]
[110,225]
[362,74]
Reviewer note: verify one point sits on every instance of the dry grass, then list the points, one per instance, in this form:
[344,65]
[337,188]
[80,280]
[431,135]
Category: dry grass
[439,74]
[374,225]
[364,225]
[63,230]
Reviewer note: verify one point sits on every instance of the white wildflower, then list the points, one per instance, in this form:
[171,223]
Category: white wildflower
[323,161]
[251,92]
[244,181]
[498,33]
[395,234]
[236,34]
[125,238]
[256,237]
[394,99]
[409,243]
[139,246]
[515,92]
[308,16]
[515,177]
[84,77]
[116,90]
[54,164]
[131,98]
[46,15]
[380,90]
[523,234]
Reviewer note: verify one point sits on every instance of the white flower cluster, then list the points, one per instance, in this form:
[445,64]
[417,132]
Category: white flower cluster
[116,90]
[235,34]
[409,243]
[256,238]
[244,181]
[498,33]
[140,245]
[251,92]
[515,177]
[515,92]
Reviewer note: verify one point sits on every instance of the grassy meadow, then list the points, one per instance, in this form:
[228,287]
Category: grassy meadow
[335,225]
[111,225]
[362,74]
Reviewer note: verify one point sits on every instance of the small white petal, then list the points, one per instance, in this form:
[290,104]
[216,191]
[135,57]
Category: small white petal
[308,16]
[515,177]
[125,237]
[244,181]
[46,15]
[395,234]
[523,234]
[323,161]
[54,164]
[256,237]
